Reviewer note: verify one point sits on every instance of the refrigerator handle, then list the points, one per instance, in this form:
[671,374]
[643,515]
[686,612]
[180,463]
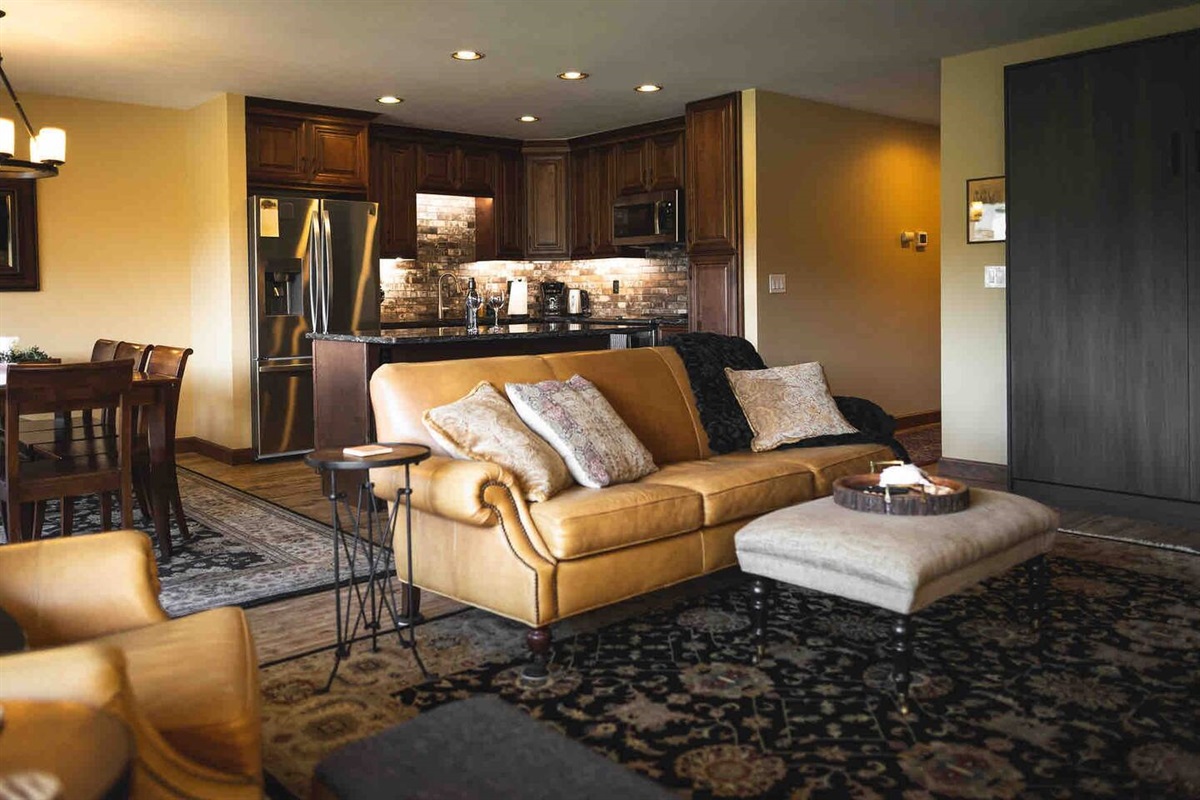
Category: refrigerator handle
[328,276]
[313,238]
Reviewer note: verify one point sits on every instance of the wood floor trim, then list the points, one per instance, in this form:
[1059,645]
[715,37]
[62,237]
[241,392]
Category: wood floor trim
[918,419]
[965,470]
[217,452]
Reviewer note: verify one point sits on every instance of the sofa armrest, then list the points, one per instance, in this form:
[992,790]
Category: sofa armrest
[65,590]
[94,675]
[448,487]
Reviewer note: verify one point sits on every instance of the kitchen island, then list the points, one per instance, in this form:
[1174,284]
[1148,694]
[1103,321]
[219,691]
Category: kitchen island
[344,362]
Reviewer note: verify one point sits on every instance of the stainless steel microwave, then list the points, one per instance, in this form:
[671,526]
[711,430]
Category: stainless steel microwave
[649,218]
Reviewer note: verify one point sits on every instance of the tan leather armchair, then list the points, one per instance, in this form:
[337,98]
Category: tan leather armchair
[187,688]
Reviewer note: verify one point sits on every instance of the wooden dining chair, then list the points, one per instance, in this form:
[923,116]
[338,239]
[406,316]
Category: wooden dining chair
[80,423]
[105,349]
[171,362]
[138,352]
[63,389]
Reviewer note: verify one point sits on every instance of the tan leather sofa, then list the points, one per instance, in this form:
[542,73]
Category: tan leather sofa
[187,688]
[475,539]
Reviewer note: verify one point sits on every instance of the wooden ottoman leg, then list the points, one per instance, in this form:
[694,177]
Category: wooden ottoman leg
[902,658]
[760,602]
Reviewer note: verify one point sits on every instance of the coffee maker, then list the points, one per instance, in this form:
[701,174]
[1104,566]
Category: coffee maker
[553,298]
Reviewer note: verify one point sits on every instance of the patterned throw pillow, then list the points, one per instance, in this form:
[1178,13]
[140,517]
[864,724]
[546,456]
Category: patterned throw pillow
[484,427]
[787,404]
[583,428]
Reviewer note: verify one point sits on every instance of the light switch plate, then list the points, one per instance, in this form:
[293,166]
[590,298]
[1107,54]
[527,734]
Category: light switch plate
[995,277]
[776,283]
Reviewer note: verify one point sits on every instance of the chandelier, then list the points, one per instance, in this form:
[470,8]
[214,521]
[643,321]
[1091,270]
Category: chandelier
[47,148]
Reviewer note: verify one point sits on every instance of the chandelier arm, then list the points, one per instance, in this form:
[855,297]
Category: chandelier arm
[13,94]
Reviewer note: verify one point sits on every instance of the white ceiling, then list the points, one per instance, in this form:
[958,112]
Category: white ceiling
[878,55]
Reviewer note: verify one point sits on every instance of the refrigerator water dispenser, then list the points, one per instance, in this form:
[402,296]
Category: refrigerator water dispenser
[283,291]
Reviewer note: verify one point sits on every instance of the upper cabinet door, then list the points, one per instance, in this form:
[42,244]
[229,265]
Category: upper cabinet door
[714,189]
[276,149]
[510,206]
[437,168]
[633,170]
[582,204]
[477,173]
[546,203]
[394,187]
[339,154]
[665,156]
[603,192]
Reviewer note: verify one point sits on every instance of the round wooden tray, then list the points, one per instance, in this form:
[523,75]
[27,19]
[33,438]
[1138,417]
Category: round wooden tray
[848,492]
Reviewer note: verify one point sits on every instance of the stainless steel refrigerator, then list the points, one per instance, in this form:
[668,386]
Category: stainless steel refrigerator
[314,266]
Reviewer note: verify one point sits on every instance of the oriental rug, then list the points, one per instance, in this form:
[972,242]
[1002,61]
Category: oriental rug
[244,551]
[1107,708]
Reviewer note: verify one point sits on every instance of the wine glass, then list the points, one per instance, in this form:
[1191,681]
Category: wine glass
[495,301]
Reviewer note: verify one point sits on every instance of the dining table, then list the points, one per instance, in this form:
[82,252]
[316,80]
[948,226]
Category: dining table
[158,398]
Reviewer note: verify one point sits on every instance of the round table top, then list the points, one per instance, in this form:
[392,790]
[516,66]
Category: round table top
[12,638]
[89,750]
[399,454]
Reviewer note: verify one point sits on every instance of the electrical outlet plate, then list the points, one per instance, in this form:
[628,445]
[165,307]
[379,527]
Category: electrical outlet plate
[776,283]
[995,277]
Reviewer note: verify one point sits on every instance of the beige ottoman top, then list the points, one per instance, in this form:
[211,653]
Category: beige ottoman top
[898,563]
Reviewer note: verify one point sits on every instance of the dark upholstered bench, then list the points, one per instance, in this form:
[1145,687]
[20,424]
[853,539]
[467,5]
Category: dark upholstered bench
[476,749]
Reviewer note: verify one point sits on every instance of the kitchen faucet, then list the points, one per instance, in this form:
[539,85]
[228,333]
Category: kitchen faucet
[442,307]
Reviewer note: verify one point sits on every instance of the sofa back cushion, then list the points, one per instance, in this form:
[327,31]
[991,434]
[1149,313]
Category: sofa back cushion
[646,393]
[401,393]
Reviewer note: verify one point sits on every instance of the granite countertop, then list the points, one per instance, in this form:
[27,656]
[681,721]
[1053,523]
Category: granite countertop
[458,333]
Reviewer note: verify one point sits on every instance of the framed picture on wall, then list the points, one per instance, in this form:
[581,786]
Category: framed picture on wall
[986,211]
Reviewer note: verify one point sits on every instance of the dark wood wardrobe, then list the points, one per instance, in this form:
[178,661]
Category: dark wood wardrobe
[1103,207]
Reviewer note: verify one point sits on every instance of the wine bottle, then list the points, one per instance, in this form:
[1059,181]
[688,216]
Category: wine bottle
[473,304]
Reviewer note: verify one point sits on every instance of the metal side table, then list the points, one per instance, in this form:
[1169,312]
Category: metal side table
[365,537]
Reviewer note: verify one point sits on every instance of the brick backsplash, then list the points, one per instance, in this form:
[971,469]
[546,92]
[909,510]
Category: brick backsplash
[657,284]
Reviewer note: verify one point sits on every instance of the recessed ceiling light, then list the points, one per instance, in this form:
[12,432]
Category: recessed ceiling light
[466,55]
[572,75]
[648,87]
[528,118]
[389,100]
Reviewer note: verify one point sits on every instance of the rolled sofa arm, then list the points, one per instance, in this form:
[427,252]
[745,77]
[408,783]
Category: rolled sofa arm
[94,675]
[65,590]
[448,487]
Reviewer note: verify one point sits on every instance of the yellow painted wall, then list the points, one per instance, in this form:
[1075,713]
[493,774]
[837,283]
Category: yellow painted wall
[143,206]
[834,189]
[973,335]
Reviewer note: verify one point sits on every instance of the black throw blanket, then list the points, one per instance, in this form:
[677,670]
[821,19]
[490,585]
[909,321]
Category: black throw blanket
[706,355]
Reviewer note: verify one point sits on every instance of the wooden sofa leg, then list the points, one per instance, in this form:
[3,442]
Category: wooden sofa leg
[538,641]
[760,604]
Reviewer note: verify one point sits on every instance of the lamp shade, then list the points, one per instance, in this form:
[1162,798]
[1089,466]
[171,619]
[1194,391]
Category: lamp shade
[8,138]
[51,146]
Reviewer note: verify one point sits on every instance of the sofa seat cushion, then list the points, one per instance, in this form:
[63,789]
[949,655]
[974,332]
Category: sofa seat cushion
[738,485]
[827,464]
[196,680]
[582,522]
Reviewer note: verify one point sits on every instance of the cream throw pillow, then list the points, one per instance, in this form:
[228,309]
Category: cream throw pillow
[484,427]
[787,404]
[581,425]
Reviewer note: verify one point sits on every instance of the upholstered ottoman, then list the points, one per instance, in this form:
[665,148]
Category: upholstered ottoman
[901,564]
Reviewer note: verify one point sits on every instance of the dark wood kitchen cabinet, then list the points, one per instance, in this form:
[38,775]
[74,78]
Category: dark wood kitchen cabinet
[454,169]
[592,192]
[1103,169]
[394,187]
[650,163]
[510,205]
[303,147]
[714,208]
[546,181]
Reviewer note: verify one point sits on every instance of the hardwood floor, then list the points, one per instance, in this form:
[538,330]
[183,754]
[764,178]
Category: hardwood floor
[297,625]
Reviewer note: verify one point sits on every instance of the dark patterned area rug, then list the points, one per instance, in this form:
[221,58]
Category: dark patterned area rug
[244,551]
[1110,708]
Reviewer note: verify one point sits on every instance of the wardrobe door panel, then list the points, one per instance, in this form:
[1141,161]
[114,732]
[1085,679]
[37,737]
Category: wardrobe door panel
[1098,282]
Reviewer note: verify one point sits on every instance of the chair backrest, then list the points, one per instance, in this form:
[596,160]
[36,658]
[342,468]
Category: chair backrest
[62,388]
[138,352]
[165,360]
[105,349]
